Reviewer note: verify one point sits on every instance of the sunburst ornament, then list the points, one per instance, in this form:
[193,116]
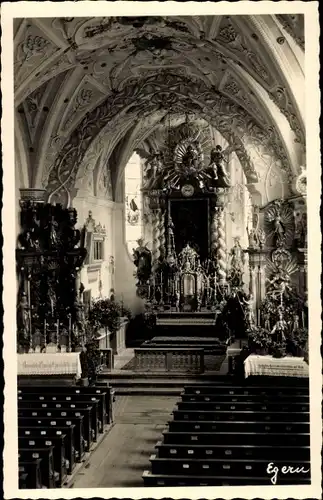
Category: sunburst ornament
[279,223]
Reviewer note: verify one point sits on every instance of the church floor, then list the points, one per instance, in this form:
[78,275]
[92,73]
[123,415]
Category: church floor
[124,454]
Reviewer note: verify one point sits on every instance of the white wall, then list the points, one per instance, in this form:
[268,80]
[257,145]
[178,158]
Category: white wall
[102,212]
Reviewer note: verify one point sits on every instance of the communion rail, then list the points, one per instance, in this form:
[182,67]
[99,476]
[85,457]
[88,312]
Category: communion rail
[169,359]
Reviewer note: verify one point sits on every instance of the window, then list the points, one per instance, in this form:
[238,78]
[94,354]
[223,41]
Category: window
[98,250]
[133,202]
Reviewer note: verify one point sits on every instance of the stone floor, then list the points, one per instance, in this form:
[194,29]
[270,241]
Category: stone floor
[124,453]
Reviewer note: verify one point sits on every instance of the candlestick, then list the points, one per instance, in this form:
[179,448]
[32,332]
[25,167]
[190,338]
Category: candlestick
[57,332]
[45,339]
[69,331]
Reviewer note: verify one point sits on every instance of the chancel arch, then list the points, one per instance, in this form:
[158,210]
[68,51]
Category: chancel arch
[161,207]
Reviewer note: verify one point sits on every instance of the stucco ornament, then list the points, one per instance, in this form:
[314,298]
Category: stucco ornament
[301,182]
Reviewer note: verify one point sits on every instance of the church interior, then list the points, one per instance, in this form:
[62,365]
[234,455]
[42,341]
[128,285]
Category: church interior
[161,251]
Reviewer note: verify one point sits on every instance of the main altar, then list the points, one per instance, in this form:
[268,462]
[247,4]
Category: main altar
[183,269]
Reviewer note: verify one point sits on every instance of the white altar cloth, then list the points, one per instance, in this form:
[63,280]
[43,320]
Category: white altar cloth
[66,363]
[275,367]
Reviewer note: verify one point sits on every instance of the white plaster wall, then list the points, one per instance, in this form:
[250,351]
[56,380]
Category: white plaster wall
[102,212]
[124,275]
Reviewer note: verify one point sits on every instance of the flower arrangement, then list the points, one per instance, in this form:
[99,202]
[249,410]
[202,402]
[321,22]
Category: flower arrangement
[259,340]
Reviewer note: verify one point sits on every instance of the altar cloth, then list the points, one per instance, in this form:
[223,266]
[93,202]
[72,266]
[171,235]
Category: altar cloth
[66,363]
[275,367]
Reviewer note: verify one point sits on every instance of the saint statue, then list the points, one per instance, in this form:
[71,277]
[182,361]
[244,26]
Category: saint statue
[24,314]
[142,260]
[280,327]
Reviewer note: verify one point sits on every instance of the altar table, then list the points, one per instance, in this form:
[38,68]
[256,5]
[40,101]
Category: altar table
[275,367]
[65,363]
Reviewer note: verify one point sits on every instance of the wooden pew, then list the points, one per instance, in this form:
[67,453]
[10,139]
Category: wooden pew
[248,415]
[103,394]
[58,443]
[58,422]
[32,473]
[238,426]
[242,406]
[193,480]
[228,438]
[83,407]
[219,467]
[69,401]
[47,468]
[49,433]
[262,398]
[264,390]
[85,413]
[271,453]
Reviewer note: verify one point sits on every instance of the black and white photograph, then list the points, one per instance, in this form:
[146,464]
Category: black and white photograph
[162,315]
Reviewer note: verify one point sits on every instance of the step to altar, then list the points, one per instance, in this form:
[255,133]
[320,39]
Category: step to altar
[157,383]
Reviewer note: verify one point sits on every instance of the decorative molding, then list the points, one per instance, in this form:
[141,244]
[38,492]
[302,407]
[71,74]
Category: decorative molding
[293,24]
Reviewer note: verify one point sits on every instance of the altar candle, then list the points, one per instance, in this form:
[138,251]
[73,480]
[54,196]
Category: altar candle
[45,325]
[57,331]
[303,319]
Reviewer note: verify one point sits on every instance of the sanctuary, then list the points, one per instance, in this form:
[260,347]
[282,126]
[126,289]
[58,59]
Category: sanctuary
[161,251]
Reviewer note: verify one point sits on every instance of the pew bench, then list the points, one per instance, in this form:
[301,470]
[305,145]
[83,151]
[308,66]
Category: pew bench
[35,432]
[242,406]
[58,444]
[46,421]
[238,426]
[83,413]
[83,407]
[47,469]
[219,467]
[229,438]
[269,452]
[104,394]
[31,472]
[245,415]
[223,480]
[275,390]
[231,398]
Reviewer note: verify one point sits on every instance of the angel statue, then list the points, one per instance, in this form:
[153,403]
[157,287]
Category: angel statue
[153,167]
[142,260]
[249,307]
[216,169]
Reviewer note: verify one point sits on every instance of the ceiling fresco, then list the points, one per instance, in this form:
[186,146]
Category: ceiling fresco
[90,86]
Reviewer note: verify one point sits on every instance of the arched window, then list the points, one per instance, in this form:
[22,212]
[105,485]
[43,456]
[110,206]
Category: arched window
[133,202]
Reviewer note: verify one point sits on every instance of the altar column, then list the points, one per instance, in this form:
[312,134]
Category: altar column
[219,239]
[257,285]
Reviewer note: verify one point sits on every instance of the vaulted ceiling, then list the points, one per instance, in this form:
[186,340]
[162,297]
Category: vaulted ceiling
[98,88]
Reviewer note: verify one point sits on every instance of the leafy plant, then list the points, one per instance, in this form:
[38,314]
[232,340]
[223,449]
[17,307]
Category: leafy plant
[259,338]
[106,313]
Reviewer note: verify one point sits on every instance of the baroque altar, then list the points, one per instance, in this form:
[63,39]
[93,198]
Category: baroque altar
[183,268]
[50,315]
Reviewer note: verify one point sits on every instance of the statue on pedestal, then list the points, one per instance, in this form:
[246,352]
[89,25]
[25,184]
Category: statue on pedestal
[142,260]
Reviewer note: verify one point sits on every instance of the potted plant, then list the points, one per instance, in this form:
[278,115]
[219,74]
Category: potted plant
[299,340]
[259,340]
